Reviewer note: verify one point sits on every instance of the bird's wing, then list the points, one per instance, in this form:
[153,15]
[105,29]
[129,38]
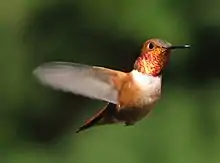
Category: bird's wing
[89,81]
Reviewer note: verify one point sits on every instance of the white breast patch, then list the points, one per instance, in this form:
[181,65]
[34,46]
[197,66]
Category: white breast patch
[149,85]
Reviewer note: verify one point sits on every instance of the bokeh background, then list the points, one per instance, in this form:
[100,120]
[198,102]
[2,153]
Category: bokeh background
[37,124]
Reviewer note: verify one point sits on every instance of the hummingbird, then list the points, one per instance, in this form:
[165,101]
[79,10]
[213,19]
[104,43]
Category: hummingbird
[129,96]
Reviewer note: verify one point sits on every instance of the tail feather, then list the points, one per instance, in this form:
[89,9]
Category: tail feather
[92,121]
[104,116]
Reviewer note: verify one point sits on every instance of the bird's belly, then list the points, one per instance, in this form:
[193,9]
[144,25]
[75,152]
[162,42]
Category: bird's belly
[135,102]
[148,97]
[133,114]
[133,96]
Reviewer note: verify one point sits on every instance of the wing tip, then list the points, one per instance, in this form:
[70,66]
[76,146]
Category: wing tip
[36,72]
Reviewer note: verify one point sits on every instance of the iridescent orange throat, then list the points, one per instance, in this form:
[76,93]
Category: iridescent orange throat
[151,63]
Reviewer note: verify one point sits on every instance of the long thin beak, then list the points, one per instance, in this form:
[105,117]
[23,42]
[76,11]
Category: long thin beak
[179,46]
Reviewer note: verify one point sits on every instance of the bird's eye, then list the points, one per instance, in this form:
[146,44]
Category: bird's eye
[150,45]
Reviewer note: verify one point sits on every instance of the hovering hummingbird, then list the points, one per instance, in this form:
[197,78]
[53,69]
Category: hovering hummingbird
[130,96]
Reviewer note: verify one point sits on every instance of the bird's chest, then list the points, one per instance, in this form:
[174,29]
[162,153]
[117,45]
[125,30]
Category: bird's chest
[140,91]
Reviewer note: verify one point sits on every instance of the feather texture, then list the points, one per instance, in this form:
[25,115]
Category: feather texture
[89,81]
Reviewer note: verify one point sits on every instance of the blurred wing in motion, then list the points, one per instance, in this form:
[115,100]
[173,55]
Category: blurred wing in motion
[90,81]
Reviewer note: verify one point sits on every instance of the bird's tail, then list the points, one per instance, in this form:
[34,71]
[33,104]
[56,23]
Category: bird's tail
[104,116]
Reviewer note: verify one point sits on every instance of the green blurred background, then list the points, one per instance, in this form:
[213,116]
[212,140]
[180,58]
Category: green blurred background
[37,124]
